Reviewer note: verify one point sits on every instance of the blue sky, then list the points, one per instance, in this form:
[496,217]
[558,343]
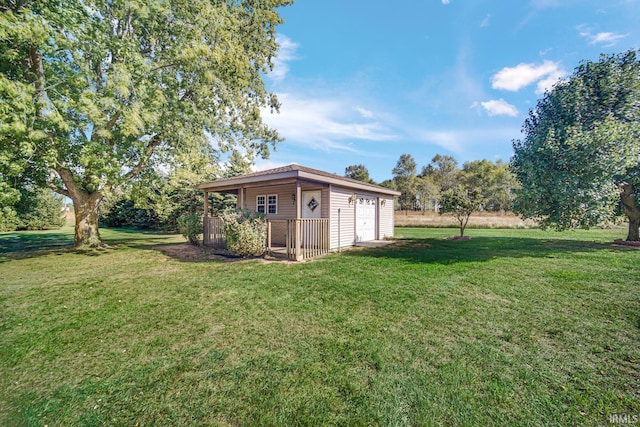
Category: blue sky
[362,82]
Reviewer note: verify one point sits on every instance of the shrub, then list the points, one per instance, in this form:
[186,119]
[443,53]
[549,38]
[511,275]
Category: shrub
[124,213]
[39,209]
[245,232]
[190,226]
[8,219]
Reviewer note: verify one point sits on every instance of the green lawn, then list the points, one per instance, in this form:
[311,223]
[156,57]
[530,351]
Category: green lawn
[512,327]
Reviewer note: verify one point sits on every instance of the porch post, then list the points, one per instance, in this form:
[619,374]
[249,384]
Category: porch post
[206,203]
[298,200]
[298,228]
[241,198]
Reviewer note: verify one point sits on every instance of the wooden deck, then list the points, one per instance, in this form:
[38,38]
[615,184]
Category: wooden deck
[303,238]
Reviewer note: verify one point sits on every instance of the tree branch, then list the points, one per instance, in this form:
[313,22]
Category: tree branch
[144,157]
[58,189]
[39,81]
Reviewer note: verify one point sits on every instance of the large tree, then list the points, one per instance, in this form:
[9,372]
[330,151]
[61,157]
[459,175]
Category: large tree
[96,92]
[443,171]
[579,160]
[404,178]
[359,172]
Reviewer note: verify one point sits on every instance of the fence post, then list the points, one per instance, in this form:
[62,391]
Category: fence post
[299,256]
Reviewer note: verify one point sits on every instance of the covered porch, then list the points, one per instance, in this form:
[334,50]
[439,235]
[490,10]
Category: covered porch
[297,211]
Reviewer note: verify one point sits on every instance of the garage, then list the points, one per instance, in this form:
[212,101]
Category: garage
[365,218]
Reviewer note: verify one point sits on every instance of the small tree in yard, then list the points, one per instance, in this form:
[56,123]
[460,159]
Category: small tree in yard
[461,202]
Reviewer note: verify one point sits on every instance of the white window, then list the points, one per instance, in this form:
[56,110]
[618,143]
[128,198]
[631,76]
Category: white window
[267,204]
[261,204]
[272,203]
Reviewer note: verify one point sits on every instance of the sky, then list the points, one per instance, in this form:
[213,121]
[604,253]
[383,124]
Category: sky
[365,81]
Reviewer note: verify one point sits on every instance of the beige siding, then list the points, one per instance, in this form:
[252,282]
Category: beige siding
[326,202]
[334,198]
[385,217]
[340,202]
[286,206]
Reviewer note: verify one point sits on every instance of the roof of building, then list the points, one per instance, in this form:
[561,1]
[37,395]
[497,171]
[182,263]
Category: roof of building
[293,171]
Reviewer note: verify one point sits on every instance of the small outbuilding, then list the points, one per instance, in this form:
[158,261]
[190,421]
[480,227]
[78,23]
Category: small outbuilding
[309,212]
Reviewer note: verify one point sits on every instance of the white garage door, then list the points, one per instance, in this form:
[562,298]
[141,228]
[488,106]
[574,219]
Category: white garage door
[365,219]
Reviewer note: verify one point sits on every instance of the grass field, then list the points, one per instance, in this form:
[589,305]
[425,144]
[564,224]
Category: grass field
[476,220]
[512,327]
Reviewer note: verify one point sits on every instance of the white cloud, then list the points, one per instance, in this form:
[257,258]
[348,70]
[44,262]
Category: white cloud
[367,114]
[286,53]
[322,124]
[515,78]
[485,21]
[498,107]
[606,39]
[445,1]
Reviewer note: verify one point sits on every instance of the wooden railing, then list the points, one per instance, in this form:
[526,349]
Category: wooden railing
[307,238]
[303,238]
[213,232]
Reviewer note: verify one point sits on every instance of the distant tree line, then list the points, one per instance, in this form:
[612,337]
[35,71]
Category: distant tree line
[490,185]
[28,208]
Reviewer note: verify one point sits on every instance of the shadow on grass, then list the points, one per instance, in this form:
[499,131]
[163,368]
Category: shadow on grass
[29,244]
[478,249]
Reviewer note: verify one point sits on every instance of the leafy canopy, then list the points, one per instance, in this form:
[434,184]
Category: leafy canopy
[359,172]
[95,92]
[461,202]
[581,145]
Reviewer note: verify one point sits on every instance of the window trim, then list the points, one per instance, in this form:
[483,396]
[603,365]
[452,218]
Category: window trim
[266,205]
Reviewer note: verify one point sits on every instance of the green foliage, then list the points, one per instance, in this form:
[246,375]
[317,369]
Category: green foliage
[30,209]
[95,93]
[190,226]
[427,193]
[124,213]
[461,202]
[245,232]
[39,209]
[442,170]
[493,180]
[581,147]
[358,172]
[404,178]
[8,198]
[8,219]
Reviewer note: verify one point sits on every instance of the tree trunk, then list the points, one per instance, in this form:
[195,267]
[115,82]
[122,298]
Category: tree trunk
[634,228]
[85,206]
[631,210]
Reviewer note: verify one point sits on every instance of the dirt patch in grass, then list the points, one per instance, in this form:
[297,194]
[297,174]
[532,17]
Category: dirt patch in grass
[459,238]
[191,253]
[186,252]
